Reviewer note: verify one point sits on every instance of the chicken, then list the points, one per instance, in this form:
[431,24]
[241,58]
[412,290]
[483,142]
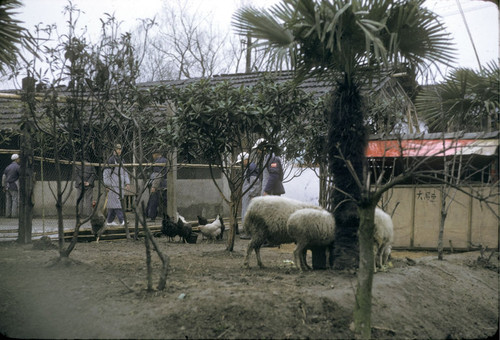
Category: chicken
[202,220]
[212,230]
[222,228]
[98,223]
[184,229]
[168,227]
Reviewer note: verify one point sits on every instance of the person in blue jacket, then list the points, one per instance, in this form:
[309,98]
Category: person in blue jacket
[10,184]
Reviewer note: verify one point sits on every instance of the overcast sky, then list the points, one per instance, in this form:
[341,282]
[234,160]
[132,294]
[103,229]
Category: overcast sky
[481,18]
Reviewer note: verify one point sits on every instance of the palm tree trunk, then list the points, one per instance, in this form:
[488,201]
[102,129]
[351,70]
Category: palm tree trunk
[346,145]
[363,306]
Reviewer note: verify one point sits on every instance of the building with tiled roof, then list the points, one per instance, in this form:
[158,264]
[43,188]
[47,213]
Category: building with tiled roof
[310,85]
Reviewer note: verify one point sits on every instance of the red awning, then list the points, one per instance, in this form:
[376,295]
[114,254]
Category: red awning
[431,147]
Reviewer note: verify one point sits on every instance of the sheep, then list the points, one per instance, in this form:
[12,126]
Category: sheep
[310,227]
[383,238]
[266,221]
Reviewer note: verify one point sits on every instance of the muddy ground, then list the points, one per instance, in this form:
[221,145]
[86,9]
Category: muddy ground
[102,293]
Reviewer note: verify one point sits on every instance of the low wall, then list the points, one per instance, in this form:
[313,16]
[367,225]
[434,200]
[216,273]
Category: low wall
[417,217]
[194,197]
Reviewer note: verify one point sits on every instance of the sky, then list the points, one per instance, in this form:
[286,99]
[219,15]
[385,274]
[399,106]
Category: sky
[481,17]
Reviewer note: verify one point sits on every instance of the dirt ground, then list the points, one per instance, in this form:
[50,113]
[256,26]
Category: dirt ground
[102,293]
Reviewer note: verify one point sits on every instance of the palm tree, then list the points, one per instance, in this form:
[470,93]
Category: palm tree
[465,101]
[348,43]
[11,34]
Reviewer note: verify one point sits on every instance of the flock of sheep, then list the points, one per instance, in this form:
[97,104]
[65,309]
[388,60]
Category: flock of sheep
[279,220]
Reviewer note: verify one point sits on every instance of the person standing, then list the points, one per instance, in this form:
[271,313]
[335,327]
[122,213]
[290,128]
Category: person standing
[117,181]
[10,185]
[251,186]
[158,182]
[84,184]
[272,174]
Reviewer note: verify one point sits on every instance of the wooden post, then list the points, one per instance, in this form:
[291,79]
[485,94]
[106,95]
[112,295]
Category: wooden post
[172,186]
[26,176]
[172,182]
[469,222]
[248,66]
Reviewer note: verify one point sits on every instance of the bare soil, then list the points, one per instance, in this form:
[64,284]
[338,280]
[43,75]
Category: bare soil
[101,293]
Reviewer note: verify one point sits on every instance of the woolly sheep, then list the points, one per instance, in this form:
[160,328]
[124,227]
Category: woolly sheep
[310,227]
[383,238]
[266,221]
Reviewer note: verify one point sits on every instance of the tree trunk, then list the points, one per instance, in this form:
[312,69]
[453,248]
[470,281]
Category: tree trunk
[60,221]
[441,224]
[324,187]
[363,305]
[26,184]
[318,257]
[149,269]
[162,283]
[346,145]
[233,222]
[26,178]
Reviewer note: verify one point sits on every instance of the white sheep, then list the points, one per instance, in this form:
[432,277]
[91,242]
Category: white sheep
[266,221]
[383,238]
[310,227]
[313,227]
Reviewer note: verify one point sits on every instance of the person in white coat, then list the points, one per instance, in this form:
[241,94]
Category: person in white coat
[117,181]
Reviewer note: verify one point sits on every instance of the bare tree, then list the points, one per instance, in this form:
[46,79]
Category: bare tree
[186,43]
[86,102]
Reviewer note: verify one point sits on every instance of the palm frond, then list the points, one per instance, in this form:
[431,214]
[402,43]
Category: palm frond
[464,101]
[415,35]
[262,24]
[11,34]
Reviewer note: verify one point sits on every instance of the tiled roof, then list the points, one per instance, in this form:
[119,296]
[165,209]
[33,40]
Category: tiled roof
[313,85]
[11,110]
[10,114]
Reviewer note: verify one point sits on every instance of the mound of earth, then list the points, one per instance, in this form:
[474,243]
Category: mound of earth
[101,293]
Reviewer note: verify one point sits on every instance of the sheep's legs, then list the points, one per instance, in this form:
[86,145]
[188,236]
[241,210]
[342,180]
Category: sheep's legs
[380,256]
[375,256]
[299,254]
[387,252]
[257,254]
[246,263]
[253,246]
[384,256]
[304,260]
